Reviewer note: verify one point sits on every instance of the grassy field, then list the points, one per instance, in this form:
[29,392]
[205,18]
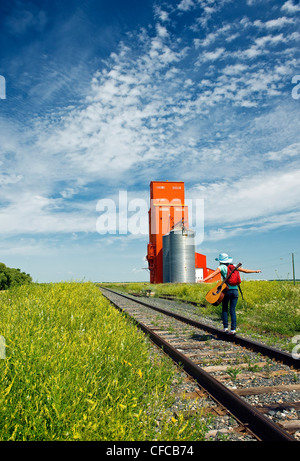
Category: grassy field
[76,369]
[270,308]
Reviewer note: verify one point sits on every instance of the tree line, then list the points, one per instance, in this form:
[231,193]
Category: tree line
[10,277]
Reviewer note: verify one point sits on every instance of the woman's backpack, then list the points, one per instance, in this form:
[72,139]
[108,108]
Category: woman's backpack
[235,278]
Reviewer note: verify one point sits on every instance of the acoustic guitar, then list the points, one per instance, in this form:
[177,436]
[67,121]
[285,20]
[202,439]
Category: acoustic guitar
[215,295]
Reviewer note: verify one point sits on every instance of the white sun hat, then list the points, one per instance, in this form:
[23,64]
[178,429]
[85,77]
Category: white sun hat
[224,258]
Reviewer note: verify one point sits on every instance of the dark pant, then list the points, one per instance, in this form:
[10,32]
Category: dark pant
[230,297]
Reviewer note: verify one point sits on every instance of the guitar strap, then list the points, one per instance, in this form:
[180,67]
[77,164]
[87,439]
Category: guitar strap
[241,291]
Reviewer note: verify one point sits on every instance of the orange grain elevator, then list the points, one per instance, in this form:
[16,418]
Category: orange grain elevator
[167,210]
[168,217]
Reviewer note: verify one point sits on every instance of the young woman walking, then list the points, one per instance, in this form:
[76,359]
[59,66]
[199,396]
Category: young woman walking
[232,294]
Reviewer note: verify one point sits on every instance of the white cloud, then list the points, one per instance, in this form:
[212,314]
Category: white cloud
[161,14]
[10,179]
[33,214]
[289,219]
[232,37]
[259,202]
[161,31]
[235,69]
[254,51]
[257,2]
[290,7]
[211,37]
[272,39]
[212,55]
[186,5]
[147,112]
[274,23]
[292,151]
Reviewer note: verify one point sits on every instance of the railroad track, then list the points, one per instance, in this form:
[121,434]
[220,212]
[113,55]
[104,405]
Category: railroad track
[231,369]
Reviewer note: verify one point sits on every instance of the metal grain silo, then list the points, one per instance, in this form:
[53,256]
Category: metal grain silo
[182,255]
[166,258]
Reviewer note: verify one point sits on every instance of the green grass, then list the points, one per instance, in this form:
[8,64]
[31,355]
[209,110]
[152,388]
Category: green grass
[269,308]
[77,369]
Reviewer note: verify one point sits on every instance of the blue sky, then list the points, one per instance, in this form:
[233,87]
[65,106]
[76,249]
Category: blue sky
[106,96]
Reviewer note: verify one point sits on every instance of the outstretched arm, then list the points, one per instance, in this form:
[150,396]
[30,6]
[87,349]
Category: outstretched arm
[213,274]
[248,271]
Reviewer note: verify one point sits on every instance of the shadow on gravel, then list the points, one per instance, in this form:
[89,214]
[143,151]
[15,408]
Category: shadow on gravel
[202,337]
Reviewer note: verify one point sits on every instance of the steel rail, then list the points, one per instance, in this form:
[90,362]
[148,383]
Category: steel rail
[262,427]
[255,346]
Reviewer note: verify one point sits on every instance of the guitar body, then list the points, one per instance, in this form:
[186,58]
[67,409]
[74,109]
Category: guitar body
[215,295]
